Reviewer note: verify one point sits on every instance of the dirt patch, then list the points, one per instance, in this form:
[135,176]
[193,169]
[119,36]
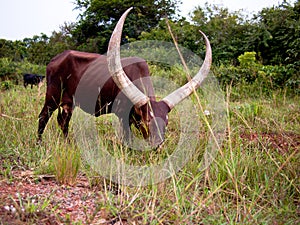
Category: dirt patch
[282,142]
[29,200]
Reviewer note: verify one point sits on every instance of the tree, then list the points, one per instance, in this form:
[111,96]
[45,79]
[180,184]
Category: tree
[99,18]
[37,49]
[277,34]
[14,50]
[41,49]
[228,31]
[62,40]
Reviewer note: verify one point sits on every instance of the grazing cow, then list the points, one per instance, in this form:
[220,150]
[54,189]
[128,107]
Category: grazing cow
[97,82]
[32,79]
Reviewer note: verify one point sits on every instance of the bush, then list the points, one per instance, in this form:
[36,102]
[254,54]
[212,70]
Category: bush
[265,77]
[27,67]
[247,60]
[11,72]
[7,68]
[6,85]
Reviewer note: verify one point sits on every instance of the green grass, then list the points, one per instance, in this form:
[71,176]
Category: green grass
[254,178]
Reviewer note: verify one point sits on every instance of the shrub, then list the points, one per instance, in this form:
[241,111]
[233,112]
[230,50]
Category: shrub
[7,68]
[264,77]
[27,67]
[11,72]
[6,85]
[247,60]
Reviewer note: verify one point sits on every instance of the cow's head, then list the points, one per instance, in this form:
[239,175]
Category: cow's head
[153,115]
[152,119]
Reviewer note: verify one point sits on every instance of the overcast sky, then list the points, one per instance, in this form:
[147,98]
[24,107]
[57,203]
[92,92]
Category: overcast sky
[25,18]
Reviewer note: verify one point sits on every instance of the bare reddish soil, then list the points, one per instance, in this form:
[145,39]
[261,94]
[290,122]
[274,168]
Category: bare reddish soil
[64,204]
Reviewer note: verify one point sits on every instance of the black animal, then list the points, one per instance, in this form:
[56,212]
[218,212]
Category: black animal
[98,82]
[32,79]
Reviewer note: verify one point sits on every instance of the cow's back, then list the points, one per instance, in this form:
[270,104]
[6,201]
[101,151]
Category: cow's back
[69,65]
[65,71]
[73,72]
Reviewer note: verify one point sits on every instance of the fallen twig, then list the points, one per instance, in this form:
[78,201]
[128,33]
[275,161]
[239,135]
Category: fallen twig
[9,117]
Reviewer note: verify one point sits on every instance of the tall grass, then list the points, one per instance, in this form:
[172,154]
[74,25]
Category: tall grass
[66,162]
[254,178]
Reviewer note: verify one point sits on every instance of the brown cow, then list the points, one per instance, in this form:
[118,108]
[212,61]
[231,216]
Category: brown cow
[97,82]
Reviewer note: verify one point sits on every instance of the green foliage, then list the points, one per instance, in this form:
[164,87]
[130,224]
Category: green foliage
[247,60]
[186,34]
[7,67]
[15,50]
[27,67]
[41,49]
[265,78]
[277,34]
[5,85]
[273,34]
[11,72]
[227,31]
[100,17]
[231,33]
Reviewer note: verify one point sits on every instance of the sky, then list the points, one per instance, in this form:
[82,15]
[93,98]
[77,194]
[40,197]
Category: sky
[21,19]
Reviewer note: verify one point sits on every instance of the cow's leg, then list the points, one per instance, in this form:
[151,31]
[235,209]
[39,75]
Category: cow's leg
[51,104]
[63,118]
[44,118]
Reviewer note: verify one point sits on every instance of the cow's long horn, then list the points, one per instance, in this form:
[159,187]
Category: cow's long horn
[119,76]
[181,93]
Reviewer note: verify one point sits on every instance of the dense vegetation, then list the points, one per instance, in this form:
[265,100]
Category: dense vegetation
[272,35]
[254,178]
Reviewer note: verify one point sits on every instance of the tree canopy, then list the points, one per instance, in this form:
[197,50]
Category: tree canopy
[99,18]
[273,33]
